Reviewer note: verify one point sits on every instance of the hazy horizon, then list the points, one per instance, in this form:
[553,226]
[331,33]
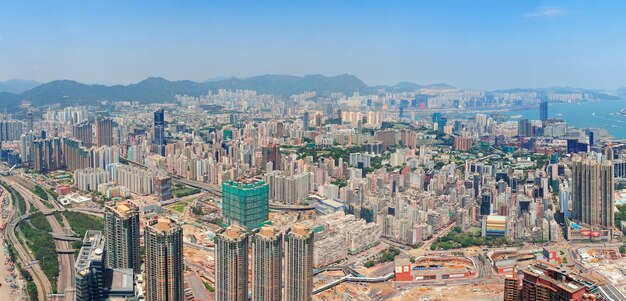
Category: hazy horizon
[489,45]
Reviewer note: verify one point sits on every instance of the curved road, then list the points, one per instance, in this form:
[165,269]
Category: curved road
[65,282]
[43,283]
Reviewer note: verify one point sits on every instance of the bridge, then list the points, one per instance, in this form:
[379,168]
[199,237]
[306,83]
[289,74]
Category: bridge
[216,190]
[64,237]
[353,279]
[199,247]
[16,221]
[66,251]
[210,188]
[283,207]
[348,270]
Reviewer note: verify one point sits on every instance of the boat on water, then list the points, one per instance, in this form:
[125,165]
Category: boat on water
[516,116]
[622,111]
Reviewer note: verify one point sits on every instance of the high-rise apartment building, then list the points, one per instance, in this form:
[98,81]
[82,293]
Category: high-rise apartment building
[288,189]
[136,179]
[266,265]
[245,204]
[75,155]
[83,132]
[47,155]
[298,264]
[121,229]
[231,264]
[592,192]
[164,260]
[89,179]
[271,153]
[104,131]
[10,130]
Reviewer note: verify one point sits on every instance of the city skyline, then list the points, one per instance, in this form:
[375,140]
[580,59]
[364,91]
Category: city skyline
[493,45]
[313,151]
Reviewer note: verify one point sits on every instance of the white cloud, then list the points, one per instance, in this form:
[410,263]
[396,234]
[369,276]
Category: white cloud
[546,12]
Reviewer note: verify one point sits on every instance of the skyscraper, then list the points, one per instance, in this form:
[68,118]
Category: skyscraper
[10,130]
[164,260]
[245,204]
[158,136]
[47,155]
[298,264]
[524,128]
[592,192]
[122,235]
[90,268]
[84,133]
[543,110]
[29,122]
[75,156]
[159,117]
[94,279]
[305,121]
[104,131]
[231,264]
[266,265]
[486,206]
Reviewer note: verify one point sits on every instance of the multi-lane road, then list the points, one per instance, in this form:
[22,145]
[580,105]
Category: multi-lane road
[65,281]
[41,281]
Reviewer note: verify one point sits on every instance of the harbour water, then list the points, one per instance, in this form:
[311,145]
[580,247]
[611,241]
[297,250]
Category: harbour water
[602,114]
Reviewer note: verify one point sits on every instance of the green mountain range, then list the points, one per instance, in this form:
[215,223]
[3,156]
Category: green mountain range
[155,89]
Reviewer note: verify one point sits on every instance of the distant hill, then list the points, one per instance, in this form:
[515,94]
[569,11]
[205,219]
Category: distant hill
[156,89]
[412,87]
[17,86]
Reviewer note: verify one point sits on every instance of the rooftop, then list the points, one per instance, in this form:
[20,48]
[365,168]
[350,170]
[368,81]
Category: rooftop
[233,232]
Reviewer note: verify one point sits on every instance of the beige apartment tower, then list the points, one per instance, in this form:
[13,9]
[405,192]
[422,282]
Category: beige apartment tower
[164,260]
[266,265]
[104,132]
[121,221]
[592,192]
[298,264]
[231,264]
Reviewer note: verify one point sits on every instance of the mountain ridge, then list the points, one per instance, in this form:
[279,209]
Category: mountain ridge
[158,89]
[17,86]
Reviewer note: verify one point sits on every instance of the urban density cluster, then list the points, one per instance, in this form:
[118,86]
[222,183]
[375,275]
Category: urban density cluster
[435,193]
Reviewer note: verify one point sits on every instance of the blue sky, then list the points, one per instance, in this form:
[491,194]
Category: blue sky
[470,44]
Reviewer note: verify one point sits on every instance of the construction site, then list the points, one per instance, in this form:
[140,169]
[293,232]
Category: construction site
[608,262]
[505,261]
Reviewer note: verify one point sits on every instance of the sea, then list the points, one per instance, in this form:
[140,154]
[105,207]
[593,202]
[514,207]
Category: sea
[600,114]
[603,114]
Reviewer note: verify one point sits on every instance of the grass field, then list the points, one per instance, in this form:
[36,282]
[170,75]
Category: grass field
[180,206]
